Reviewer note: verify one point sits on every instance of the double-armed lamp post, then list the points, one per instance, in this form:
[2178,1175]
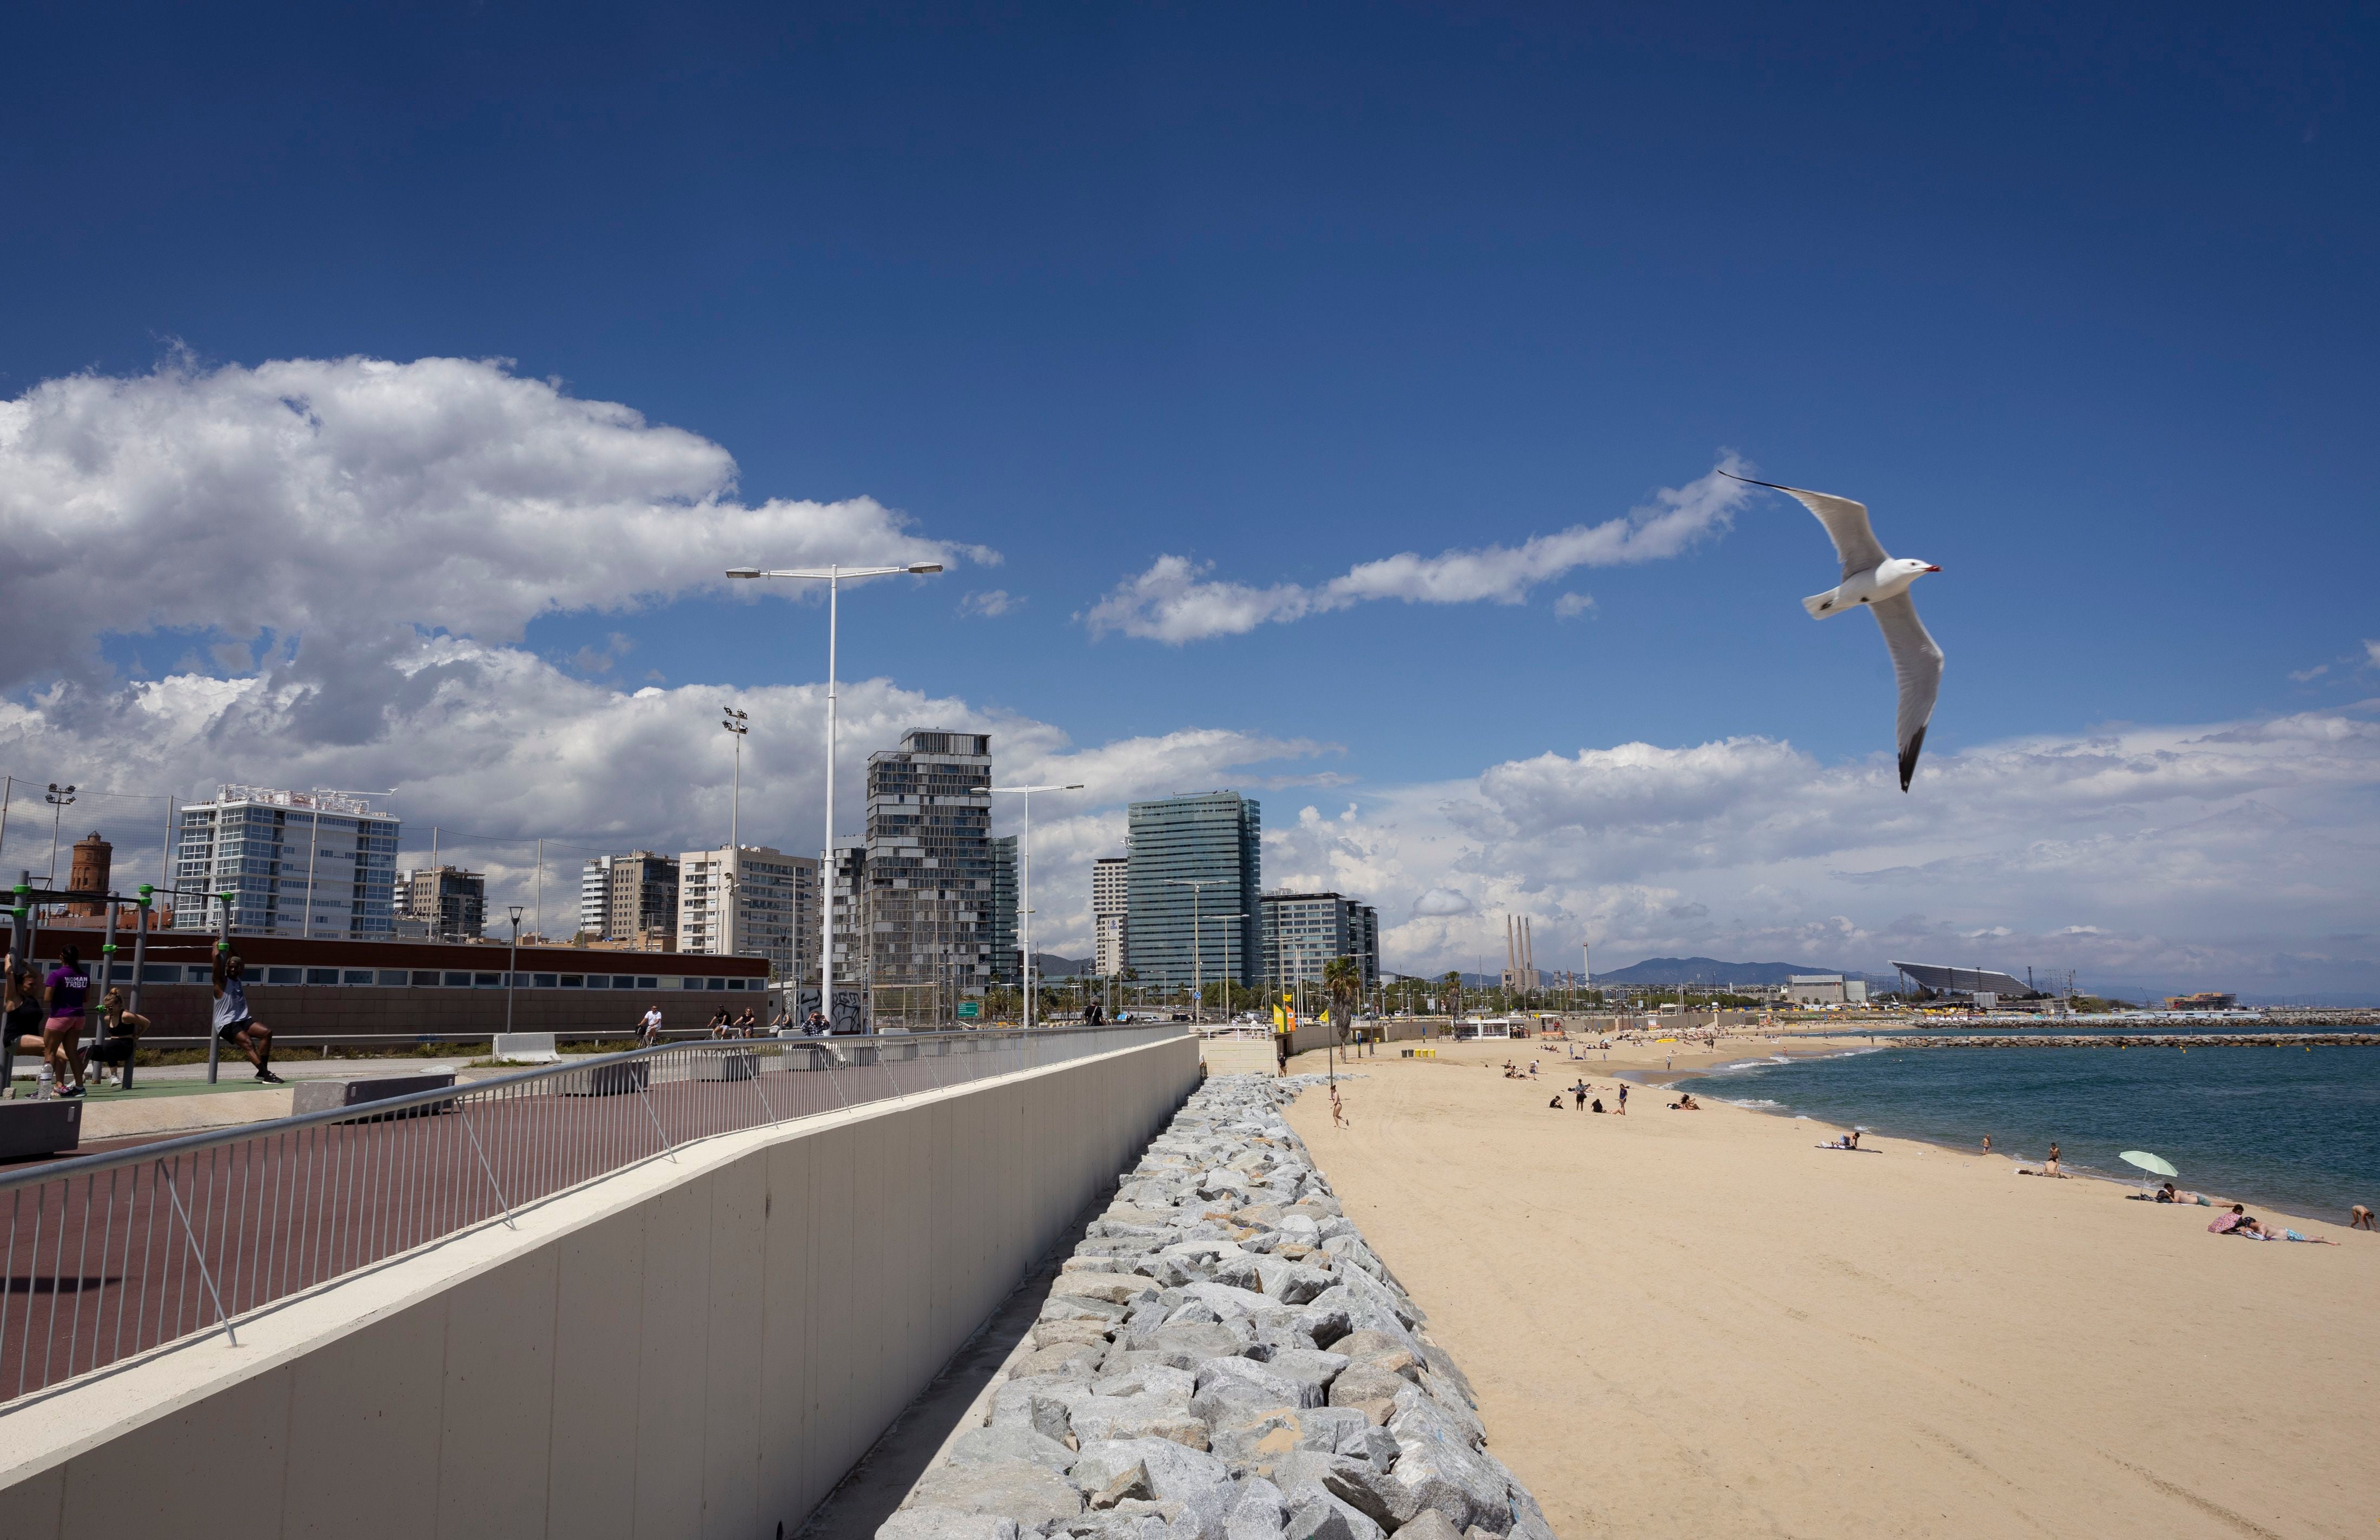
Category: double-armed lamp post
[833,576]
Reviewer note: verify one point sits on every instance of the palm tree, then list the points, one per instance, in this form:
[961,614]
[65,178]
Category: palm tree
[1343,979]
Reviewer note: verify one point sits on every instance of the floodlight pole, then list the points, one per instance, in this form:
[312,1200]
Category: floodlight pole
[833,576]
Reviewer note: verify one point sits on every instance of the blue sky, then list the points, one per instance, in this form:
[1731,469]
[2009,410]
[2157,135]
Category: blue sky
[2080,305]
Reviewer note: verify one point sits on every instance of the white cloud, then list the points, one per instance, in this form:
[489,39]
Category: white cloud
[988,603]
[321,510]
[1571,605]
[1175,602]
[2304,676]
[497,747]
[2372,653]
[2239,855]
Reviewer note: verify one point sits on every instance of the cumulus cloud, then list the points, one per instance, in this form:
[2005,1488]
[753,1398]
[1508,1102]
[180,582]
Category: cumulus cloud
[1176,601]
[988,603]
[498,747]
[1571,605]
[2157,857]
[319,511]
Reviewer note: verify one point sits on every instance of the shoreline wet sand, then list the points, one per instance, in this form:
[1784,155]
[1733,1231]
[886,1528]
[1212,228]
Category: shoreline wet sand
[1698,1323]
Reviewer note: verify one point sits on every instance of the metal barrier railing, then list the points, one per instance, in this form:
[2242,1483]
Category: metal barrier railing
[118,1255]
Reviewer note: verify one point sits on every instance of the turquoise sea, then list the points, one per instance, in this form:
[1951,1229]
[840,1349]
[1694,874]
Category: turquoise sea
[2290,1128]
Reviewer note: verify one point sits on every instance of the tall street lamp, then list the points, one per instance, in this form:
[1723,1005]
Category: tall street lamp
[737,723]
[60,798]
[1197,886]
[1024,879]
[512,971]
[833,576]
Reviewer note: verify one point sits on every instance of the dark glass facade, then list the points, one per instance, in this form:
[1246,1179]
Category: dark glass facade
[1214,838]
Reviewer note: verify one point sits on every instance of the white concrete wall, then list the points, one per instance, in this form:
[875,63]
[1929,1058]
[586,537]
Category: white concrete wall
[693,1347]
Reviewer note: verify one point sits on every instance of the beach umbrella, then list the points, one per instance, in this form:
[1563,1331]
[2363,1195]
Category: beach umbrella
[2154,1165]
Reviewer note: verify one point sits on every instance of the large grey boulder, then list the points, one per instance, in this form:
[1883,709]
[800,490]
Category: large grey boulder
[1234,1389]
[1147,1415]
[1225,1300]
[1258,1515]
[1174,1473]
[1381,1350]
[1071,1360]
[1375,1494]
[1263,1438]
[1369,1389]
[1113,1288]
[993,1446]
[1323,1517]
[1028,1493]
[1429,1524]
[1185,1347]
[945,1523]
[1294,1283]
[1436,1460]
[1311,1367]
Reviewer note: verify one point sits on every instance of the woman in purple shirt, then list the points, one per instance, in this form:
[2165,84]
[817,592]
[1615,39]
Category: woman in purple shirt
[66,987]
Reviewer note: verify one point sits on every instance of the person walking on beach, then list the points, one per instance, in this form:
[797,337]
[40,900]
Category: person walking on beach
[233,1023]
[1624,1098]
[1987,1144]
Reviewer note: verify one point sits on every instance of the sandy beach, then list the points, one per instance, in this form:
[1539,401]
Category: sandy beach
[1698,1324]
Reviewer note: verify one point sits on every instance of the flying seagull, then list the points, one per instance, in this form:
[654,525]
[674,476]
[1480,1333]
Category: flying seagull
[1880,583]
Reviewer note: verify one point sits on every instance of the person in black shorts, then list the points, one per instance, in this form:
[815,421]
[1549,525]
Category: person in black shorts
[233,1023]
[22,1007]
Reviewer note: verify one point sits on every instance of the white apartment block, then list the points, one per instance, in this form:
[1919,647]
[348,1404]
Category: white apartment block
[1110,883]
[750,901]
[313,863]
[594,895]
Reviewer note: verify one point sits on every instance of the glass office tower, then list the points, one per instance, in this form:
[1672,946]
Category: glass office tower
[1212,839]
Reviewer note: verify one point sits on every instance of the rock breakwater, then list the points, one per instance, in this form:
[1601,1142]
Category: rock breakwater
[1223,1358]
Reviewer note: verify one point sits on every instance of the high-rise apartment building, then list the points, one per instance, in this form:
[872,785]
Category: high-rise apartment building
[1303,931]
[928,875]
[595,897]
[630,898]
[749,901]
[441,904]
[295,863]
[1111,898]
[1175,932]
[1007,963]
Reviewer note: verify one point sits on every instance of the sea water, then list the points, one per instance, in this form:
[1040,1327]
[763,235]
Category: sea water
[2275,1125]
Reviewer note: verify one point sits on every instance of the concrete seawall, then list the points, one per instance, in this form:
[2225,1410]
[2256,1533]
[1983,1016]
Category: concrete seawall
[700,1346]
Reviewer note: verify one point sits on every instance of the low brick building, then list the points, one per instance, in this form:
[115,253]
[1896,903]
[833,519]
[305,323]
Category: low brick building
[395,991]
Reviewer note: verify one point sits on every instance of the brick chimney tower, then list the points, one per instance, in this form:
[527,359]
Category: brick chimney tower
[93,857]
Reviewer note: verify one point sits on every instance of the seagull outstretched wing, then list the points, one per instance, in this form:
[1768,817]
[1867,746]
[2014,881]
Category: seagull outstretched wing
[1917,664]
[1846,523]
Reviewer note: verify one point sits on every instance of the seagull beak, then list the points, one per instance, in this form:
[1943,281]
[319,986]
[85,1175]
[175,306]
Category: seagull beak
[1933,569]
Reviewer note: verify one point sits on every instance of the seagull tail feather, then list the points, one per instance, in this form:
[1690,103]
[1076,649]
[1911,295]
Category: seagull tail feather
[1909,757]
